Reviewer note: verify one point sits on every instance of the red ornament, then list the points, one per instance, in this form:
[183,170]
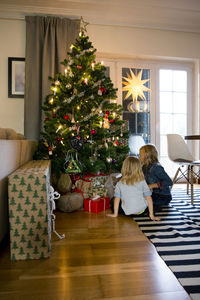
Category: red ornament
[47,119]
[107,112]
[66,117]
[50,149]
[79,67]
[111,120]
[59,139]
[103,90]
[93,131]
[53,115]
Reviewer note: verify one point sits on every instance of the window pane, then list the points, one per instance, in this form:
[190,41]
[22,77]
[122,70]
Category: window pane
[180,81]
[166,102]
[163,145]
[166,77]
[179,124]
[165,123]
[180,102]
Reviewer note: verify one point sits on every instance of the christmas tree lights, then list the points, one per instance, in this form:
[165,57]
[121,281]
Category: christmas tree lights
[80,116]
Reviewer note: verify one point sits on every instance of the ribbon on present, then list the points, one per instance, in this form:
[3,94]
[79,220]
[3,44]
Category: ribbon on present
[97,198]
[52,196]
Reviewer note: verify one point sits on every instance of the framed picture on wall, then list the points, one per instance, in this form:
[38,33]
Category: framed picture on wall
[16,77]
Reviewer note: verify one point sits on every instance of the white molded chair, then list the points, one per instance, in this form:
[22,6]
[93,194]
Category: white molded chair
[135,142]
[179,153]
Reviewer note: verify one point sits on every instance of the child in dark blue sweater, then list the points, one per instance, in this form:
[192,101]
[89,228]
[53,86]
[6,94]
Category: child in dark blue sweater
[156,177]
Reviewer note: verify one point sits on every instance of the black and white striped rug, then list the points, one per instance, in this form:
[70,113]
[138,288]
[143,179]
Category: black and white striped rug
[177,238]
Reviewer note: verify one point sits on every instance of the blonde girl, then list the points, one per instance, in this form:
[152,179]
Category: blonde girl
[132,195]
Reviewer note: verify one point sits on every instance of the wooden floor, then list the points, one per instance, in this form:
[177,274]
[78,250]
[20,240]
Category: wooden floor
[100,258]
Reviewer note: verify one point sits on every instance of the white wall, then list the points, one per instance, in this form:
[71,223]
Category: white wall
[12,37]
[143,42]
[115,41]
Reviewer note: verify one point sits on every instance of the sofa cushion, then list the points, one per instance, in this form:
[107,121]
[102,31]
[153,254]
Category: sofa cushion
[3,135]
[10,134]
[20,136]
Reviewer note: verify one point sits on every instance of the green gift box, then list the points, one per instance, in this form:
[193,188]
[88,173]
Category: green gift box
[29,211]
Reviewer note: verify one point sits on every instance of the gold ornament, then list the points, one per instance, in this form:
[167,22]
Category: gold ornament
[106,124]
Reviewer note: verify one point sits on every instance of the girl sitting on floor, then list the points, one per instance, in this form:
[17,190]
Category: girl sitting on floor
[133,192]
[156,177]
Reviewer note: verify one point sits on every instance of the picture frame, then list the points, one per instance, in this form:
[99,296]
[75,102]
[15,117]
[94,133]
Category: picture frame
[16,77]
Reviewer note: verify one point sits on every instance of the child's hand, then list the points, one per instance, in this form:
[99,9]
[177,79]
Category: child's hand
[153,218]
[112,215]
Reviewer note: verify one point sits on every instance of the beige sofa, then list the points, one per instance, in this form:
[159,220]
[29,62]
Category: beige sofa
[15,151]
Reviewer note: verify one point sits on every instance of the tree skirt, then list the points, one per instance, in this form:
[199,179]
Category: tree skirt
[177,238]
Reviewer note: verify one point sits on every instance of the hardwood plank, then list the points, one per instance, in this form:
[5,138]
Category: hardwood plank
[100,258]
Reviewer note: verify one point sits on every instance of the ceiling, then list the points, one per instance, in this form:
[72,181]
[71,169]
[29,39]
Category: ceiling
[179,15]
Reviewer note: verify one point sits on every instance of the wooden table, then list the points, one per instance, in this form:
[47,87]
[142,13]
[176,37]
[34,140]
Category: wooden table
[192,137]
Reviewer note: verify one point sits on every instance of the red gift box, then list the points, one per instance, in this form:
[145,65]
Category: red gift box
[98,205]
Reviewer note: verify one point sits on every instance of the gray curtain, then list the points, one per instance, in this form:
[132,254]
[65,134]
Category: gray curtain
[48,40]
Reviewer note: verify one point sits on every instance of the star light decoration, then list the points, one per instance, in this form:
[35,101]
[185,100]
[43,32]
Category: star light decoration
[134,86]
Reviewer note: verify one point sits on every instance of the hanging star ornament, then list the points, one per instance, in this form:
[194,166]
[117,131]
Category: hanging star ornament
[83,25]
[134,85]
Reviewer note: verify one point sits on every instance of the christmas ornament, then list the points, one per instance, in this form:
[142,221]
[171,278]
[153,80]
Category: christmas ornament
[106,145]
[109,159]
[92,65]
[50,149]
[111,120]
[57,82]
[72,167]
[53,115]
[93,131]
[77,142]
[68,86]
[66,117]
[103,90]
[106,124]
[47,119]
[59,139]
[99,92]
[114,161]
[79,67]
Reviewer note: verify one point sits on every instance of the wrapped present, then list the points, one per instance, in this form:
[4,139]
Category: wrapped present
[96,205]
[29,211]
[91,186]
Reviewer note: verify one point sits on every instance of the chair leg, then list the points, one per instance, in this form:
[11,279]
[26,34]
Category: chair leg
[188,176]
[176,175]
[191,182]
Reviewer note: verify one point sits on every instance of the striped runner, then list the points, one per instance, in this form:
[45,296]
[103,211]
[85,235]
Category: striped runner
[177,238]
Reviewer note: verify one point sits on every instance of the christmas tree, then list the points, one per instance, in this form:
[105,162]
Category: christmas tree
[83,128]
